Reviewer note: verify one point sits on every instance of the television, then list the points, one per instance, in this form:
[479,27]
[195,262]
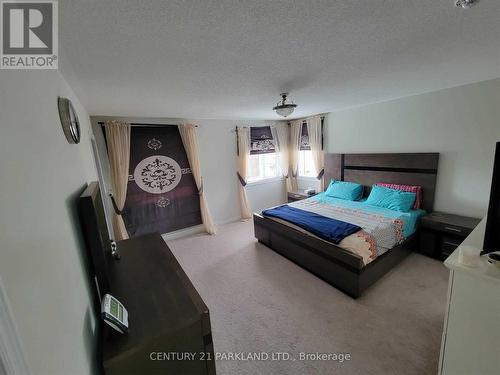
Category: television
[97,241]
[492,233]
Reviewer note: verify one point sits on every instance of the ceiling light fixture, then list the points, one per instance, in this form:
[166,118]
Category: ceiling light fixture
[466,4]
[284,107]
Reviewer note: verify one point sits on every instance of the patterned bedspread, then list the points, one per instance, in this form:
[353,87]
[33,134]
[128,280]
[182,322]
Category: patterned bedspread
[379,233]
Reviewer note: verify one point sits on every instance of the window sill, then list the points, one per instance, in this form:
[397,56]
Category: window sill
[265,181]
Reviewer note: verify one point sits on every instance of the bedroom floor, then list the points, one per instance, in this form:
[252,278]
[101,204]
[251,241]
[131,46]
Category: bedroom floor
[262,302]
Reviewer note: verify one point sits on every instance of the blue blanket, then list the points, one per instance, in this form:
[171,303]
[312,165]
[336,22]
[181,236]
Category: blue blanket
[328,229]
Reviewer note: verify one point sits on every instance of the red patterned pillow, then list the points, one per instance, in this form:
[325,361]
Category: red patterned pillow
[408,188]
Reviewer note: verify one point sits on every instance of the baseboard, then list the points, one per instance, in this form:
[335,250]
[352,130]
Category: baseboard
[184,232]
[195,230]
[229,221]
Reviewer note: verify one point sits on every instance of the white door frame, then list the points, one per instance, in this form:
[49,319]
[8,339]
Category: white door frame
[103,187]
[11,351]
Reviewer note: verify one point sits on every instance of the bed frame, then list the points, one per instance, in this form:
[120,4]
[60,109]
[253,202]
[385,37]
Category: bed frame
[333,264]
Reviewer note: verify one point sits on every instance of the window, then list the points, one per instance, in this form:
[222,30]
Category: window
[263,160]
[306,164]
[263,166]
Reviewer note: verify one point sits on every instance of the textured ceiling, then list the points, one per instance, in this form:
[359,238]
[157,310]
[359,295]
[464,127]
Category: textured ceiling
[231,59]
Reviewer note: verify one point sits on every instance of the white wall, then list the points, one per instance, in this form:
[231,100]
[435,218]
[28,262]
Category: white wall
[217,142]
[266,194]
[461,123]
[41,262]
[307,183]
[218,161]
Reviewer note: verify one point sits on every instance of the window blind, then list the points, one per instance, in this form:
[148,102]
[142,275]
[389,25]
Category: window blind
[261,140]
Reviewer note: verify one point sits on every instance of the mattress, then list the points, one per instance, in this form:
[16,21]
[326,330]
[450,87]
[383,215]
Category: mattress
[382,228]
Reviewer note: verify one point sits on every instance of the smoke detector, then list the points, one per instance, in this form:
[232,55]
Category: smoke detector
[466,4]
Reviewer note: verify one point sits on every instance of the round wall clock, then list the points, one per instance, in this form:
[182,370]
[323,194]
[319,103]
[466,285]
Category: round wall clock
[69,120]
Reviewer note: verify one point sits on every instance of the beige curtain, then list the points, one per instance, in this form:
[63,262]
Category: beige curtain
[315,141]
[281,136]
[243,160]
[190,141]
[118,141]
[293,154]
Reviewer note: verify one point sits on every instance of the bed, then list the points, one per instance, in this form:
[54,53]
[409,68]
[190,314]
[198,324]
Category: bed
[340,264]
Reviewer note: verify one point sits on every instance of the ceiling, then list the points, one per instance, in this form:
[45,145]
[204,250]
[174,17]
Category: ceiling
[232,59]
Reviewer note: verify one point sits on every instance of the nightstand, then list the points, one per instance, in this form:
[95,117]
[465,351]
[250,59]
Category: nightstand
[441,233]
[298,195]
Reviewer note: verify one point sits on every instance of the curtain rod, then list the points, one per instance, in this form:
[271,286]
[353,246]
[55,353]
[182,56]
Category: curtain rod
[145,125]
[322,117]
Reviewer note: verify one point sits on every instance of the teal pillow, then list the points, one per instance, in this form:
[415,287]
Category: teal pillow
[389,198]
[344,190]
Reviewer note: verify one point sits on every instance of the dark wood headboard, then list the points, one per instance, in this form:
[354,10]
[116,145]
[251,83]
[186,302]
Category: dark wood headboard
[402,168]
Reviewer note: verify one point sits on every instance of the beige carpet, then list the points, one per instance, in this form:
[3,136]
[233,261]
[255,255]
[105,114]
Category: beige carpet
[262,302]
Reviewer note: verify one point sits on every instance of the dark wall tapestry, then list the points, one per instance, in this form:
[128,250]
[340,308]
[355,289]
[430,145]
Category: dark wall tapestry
[161,194]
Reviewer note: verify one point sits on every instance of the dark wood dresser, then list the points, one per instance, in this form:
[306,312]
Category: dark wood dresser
[442,233]
[169,324]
